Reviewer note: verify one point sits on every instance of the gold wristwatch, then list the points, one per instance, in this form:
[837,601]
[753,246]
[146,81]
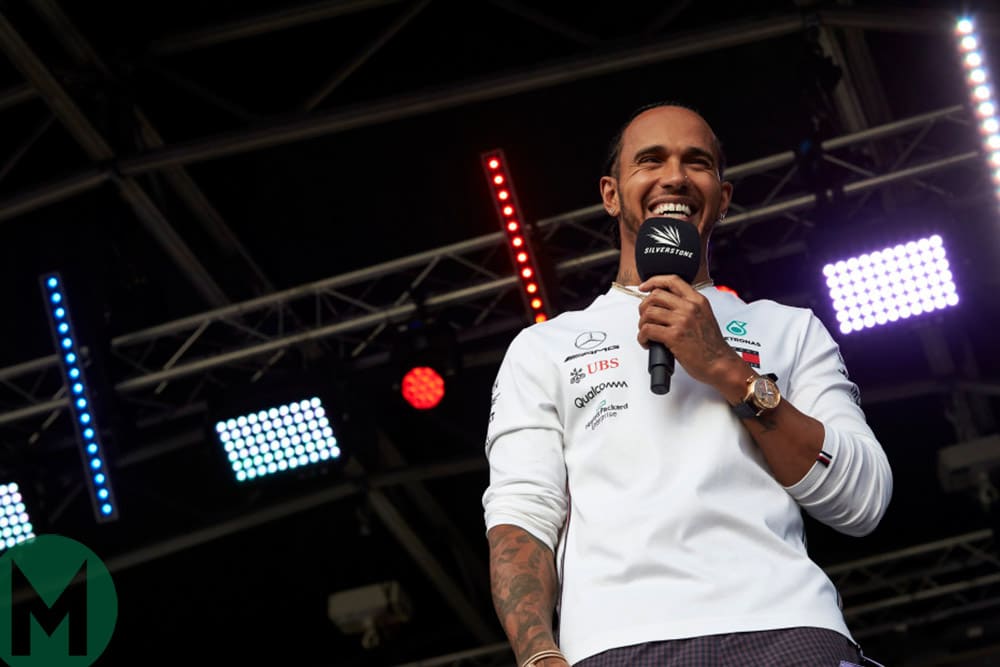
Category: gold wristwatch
[762,395]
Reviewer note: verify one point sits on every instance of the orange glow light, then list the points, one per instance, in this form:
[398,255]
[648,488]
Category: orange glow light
[532,288]
[536,303]
[723,288]
[540,317]
[503,195]
[498,179]
[423,388]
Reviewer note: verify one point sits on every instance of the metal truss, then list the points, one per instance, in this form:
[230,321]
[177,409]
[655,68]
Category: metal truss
[912,587]
[891,592]
[353,316]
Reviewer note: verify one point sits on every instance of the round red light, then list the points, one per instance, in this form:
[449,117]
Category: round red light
[522,257]
[423,387]
[493,163]
[723,288]
[536,303]
[532,288]
[540,317]
[517,241]
[503,195]
[498,179]
[526,272]
[508,210]
[512,226]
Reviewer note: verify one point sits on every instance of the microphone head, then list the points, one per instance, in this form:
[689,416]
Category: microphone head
[664,246]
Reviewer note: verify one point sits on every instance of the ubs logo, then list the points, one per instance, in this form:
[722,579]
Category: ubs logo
[588,340]
[577,374]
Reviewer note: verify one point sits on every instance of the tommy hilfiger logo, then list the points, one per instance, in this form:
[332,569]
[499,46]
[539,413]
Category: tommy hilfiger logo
[750,356]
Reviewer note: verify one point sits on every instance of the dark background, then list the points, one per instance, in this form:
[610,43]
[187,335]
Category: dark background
[208,569]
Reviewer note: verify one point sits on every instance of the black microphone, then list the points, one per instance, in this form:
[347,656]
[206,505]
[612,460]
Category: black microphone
[664,246]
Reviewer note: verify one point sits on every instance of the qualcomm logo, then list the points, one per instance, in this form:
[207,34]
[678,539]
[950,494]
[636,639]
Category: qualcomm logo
[666,236]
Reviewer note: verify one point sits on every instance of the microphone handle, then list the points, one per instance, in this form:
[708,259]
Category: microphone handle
[661,368]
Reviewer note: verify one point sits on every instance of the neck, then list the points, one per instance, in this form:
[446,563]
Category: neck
[627,277]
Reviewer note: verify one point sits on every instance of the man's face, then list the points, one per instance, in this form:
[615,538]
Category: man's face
[668,167]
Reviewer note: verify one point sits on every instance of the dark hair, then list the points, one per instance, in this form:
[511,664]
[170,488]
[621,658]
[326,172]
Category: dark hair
[615,147]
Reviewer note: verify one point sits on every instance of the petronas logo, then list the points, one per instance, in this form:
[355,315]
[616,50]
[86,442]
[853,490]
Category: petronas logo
[666,236]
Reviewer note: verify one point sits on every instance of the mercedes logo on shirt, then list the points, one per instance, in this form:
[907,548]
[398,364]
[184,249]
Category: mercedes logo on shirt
[588,340]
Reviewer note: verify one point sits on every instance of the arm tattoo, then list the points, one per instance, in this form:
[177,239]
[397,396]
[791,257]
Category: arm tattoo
[523,580]
[768,423]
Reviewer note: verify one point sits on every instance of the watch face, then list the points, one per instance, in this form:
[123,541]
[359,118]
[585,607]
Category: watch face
[766,394]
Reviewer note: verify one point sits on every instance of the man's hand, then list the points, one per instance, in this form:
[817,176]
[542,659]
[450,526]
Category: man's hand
[675,314]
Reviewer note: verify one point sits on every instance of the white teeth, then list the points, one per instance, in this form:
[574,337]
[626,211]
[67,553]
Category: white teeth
[670,207]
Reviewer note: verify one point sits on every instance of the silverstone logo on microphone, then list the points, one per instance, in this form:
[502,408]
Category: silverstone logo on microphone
[667,240]
[666,236]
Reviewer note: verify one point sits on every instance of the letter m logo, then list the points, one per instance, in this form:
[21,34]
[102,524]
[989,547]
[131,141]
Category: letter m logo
[70,605]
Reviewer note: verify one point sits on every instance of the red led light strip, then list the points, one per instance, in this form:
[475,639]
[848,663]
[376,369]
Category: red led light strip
[512,223]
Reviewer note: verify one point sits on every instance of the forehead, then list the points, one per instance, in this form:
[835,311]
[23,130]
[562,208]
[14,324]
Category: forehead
[672,127]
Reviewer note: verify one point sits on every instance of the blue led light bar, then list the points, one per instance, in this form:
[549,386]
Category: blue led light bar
[15,524]
[81,408]
[277,439]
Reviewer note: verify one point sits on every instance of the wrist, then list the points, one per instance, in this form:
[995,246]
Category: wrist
[546,658]
[731,379]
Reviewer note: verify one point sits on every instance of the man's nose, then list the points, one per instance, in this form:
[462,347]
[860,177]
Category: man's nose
[673,175]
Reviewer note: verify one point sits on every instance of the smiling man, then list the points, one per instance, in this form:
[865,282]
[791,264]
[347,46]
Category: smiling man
[632,528]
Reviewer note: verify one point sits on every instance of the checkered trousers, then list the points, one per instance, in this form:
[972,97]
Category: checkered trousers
[790,647]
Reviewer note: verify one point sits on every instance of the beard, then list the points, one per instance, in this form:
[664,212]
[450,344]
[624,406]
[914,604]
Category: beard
[630,225]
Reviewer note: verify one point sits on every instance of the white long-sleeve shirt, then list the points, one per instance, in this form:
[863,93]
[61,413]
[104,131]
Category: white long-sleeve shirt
[664,517]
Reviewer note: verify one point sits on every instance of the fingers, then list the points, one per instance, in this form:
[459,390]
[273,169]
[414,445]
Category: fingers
[671,310]
[672,283]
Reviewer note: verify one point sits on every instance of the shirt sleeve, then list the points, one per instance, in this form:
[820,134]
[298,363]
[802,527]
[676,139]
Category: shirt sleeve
[850,486]
[524,445]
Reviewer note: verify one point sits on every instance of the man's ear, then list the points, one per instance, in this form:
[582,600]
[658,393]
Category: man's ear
[609,195]
[727,196]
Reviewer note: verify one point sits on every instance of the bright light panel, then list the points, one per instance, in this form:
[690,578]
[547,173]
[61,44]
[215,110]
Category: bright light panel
[277,439]
[892,284]
[15,525]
